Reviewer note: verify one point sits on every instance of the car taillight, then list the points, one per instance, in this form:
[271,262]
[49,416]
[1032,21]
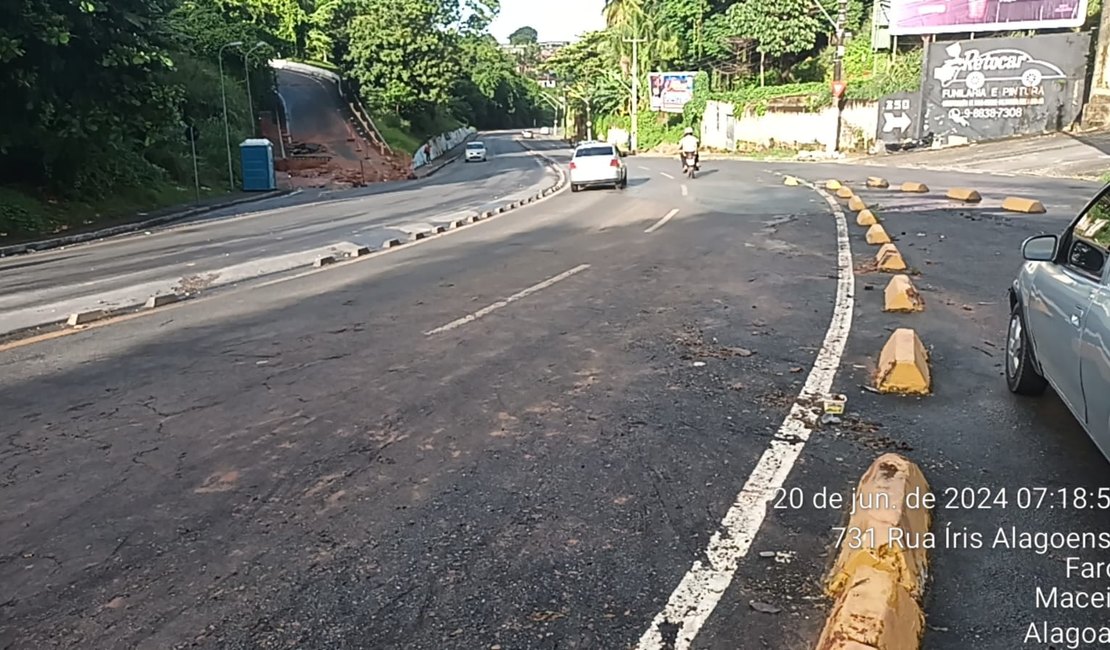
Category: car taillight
[615,162]
[572,165]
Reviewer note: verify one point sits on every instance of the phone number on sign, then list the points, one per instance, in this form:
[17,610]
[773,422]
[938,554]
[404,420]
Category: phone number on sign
[1037,498]
[993,113]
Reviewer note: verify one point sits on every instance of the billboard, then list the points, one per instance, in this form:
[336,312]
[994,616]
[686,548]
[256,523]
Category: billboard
[948,16]
[671,91]
[991,88]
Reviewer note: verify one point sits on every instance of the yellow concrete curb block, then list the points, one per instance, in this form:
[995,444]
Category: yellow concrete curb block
[1028,206]
[901,296]
[874,613]
[791,181]
[86,317]
[876,234]
[866,218]
[877,182]
[833,186]
[890,259]
[855,204]
[917,188]
[903,365]
[964,194]
[845,193]
[891,528]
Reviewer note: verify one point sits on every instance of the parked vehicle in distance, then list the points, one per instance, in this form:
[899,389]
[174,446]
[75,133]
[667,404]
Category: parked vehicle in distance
[476,151]
[1059,331]
[545,130]
[526,134]
[597,164]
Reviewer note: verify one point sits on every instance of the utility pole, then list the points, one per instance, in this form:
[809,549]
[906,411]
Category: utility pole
[838,68]
[634,135]
[227,129]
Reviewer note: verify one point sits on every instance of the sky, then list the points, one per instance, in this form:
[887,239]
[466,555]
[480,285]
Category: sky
[555,20]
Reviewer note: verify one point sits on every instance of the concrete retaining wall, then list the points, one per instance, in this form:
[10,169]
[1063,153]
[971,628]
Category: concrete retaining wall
[723,129]
[439,145]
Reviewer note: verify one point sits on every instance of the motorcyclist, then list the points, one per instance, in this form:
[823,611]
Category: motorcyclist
[689,144]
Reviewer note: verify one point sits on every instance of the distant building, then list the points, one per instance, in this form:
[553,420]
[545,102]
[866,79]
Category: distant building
[544,49]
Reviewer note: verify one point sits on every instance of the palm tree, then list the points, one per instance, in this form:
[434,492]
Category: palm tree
[623,13]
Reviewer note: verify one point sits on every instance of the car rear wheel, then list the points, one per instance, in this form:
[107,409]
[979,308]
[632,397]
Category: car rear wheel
[574,188]
[1021,366]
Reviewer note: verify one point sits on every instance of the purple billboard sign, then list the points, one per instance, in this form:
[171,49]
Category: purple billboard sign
[951,16]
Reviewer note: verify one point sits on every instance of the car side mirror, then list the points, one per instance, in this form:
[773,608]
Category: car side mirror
[1041,248]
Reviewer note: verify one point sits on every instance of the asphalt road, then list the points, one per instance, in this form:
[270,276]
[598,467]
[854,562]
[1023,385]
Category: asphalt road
[265,238]
[524,433]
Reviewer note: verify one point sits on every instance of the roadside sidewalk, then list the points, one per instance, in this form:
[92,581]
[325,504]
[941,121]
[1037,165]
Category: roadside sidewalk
[149,220]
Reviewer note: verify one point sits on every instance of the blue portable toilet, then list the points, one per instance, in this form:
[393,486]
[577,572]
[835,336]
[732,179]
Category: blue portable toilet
[257,156]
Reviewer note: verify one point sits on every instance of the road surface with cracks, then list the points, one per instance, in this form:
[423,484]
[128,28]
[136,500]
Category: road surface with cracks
[520,435]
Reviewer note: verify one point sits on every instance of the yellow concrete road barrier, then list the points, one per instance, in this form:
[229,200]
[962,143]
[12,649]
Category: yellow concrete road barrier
[903,365]
[855,204]
[891,521]
[889,258]
[876,235]
[866,218]
[1027,206]
[965,194]
[901,296]
[845,193]
[916,188]
[791,181]
[877,182]
[875,613]
[881,569]
[833,186]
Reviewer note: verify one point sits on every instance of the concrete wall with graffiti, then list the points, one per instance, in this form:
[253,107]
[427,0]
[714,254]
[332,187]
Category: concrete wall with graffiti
[439,145]
[722,129]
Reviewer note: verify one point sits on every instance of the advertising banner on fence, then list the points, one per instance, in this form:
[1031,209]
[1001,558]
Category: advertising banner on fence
[949,16]
[991,88]
[671,91]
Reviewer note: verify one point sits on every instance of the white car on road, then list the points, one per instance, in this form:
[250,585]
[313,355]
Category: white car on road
[476,151]
[597,164]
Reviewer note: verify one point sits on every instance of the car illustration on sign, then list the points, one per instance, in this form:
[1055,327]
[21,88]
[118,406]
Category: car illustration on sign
[972,68]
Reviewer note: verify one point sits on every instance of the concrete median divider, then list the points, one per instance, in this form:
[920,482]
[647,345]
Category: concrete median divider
[1026,206]
[964,194]
[900,296]
[876,235]
[856,204]
[391,243]
[878,578]
[889,258]
[791,181]
[903,366]
[866,218]
[845,193]
[161,300]
[324,260]
[833,185]
[915,188]
[85,317]
[877,182]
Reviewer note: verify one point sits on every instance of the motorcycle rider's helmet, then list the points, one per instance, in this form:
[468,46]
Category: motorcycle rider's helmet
[688,131]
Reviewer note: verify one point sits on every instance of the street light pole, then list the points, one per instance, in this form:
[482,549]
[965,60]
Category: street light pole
[635,131]
[247,72]
[838,68]
[227,128]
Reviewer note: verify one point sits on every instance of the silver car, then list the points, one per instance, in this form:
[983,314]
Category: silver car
[1059,332]
[597,164]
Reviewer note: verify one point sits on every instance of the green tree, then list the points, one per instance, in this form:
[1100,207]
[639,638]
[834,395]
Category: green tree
[524,35]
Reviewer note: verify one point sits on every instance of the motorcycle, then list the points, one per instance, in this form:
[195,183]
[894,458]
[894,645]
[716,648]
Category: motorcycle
[688,164]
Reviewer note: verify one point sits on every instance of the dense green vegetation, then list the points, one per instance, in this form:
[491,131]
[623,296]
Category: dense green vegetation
[97,94]
[749,52]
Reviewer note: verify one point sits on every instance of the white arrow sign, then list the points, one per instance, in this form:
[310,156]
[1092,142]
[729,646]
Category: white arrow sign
[890,122]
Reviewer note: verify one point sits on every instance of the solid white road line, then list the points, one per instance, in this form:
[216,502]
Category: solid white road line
[659,224]
[667,175]
[470,318]
[685,190]
[646,169]
[701,588]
